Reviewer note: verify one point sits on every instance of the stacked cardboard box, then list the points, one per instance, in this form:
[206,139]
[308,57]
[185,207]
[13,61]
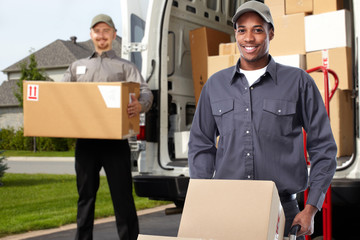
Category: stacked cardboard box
[204,42]
[324,36]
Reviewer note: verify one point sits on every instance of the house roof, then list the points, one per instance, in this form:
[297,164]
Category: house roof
[7,96]
[61,53]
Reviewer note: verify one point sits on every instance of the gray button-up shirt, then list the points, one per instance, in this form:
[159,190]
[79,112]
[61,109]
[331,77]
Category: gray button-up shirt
[260,129]
[109,68]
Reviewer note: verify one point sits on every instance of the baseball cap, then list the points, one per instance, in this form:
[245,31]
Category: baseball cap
[102,18]
[253,6]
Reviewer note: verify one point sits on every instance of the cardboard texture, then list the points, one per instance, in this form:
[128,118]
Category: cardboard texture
[217,63]
[289,36]
[204,42]
[228,49]
[342,121]
[277,7]
[298,6]
[153,237]
[296,60]
[337,59]
[79,110]
[328,30]
[232,209]
[323,6]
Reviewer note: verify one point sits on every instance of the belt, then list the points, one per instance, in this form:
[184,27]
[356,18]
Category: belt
[287,197]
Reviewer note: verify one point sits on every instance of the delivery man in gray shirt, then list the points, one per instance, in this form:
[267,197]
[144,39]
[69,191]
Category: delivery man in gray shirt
[114,155]
[259,108]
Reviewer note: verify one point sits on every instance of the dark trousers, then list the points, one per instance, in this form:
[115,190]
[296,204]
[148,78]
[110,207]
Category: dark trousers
[291,208]
[114,156]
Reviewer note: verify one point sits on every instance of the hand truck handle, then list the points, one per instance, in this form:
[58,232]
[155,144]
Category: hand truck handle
[293,231]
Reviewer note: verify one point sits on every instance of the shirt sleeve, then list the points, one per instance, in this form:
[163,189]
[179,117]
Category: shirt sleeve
[68,76]
[321,145]
[202,143]
[146,96]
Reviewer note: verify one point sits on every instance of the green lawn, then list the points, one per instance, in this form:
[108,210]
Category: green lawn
[13,153]
[40,201]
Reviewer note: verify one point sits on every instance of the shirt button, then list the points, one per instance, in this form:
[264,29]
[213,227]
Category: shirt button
[279,111]
[247,132]
[249,176]
[247,109]
[220,111]
[248,154]
[245,88]
[252,88]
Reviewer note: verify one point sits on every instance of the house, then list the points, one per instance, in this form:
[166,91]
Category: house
[53,60]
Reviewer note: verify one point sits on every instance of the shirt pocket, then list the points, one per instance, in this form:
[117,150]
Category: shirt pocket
[223,112]
[277,117]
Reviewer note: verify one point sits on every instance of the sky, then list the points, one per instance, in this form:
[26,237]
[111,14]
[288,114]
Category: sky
[29,25]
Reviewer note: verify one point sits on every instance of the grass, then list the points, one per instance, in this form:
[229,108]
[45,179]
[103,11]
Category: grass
[13,153]
[31,202]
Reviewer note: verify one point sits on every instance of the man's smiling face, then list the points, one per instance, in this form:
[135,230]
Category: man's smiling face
[253,36]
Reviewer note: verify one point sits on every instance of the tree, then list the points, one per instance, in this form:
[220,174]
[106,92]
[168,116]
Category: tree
[30,72]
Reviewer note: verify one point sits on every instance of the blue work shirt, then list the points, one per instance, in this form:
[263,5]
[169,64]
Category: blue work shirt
[260,129]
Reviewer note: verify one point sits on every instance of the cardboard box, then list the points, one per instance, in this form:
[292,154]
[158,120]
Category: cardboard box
[337,59]
[232,209]
[277,7]
[295,60]
[289,35]
[328,30]
[79,109]
[217,63]
[228,49]
[323,6]
[204,42]
[298,6]
[342,121]
[153,237]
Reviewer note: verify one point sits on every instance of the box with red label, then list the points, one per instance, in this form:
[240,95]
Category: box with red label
[232,209]
[79,109]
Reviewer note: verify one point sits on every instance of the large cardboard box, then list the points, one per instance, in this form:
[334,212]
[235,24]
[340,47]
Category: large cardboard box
[337,59]
[298,6]
[328,30]
[289,35]
[79,109]
[204,42]
[232,209]
[342,121]
[322,6]
[217,63]
[277,7]
[295,60]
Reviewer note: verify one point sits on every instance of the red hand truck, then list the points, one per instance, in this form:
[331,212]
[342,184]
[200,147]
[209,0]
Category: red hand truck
[326,208]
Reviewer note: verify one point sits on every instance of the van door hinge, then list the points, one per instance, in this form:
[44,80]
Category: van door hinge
[134,47]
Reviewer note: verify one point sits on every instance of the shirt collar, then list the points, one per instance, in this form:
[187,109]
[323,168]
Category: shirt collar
[271,69]
[110,54]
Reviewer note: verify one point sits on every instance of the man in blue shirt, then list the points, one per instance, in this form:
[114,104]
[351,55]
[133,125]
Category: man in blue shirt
[258,109]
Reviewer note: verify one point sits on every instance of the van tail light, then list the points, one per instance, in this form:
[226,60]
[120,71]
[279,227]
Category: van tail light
[141,135]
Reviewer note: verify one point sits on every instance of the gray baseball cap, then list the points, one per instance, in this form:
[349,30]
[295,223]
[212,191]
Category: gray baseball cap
[253,6]
[102,18]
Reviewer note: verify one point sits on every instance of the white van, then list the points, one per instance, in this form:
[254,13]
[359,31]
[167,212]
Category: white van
[156,38]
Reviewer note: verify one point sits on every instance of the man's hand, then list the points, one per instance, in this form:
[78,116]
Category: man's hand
[305,219]
[134,108]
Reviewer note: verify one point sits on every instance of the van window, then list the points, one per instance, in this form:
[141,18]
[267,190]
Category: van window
[211,4]
[137,34]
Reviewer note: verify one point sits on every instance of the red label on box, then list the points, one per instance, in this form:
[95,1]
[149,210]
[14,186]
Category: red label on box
[33,92]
